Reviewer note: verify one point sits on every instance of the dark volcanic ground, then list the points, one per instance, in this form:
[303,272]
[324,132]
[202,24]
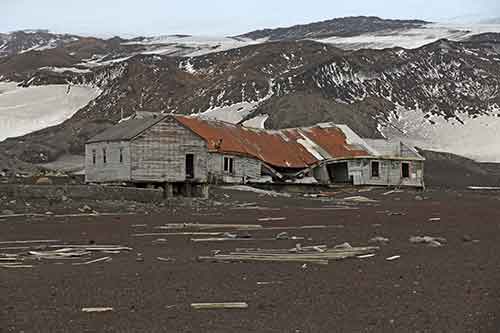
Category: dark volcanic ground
[449,289]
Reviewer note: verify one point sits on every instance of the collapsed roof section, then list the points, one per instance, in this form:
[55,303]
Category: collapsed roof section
[295,148]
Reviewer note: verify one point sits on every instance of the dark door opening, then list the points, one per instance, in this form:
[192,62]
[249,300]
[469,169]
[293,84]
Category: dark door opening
[405,170]
[189,166]
[339,173]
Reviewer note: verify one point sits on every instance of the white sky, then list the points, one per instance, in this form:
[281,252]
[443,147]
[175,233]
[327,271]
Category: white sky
[217,17]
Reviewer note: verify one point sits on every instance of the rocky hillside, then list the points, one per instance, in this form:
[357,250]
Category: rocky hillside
[444,95]
[340,27]
[34,40]
[285,84]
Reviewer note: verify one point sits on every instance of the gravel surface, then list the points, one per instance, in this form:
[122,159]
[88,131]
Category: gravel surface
[452,288]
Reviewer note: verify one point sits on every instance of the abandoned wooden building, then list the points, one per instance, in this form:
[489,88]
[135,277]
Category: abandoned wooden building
[185,153]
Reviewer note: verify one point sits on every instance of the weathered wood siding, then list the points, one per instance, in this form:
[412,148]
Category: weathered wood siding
[159,154]
[113,170]
[244,168]
[390,173]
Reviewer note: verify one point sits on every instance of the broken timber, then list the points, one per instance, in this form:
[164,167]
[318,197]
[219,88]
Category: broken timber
[315,255]
[208,306]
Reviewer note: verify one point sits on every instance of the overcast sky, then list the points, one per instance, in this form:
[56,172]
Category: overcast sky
[217,17]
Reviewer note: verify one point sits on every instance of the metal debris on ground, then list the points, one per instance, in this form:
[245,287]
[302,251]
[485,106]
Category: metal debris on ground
[211,306]
[393,258]
[434,219]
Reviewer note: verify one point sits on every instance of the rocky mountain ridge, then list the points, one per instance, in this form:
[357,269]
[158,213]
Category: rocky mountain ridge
[432,94]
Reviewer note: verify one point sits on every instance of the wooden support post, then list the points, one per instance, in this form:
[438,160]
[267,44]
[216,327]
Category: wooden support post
[168,190]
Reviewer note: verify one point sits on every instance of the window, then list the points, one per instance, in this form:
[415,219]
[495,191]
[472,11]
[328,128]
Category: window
[189,166]
[375,169]
[104,157]
[121,155]
[228,165]
[405,170]
[94,154]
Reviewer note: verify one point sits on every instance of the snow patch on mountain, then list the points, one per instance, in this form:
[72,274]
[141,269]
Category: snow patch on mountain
[257,122]
[192,46]
[236,112]
[25,110]
[476,137]
[411,38]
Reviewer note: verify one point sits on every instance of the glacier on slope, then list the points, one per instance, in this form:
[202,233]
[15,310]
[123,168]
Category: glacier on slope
[476,137]
[26,110]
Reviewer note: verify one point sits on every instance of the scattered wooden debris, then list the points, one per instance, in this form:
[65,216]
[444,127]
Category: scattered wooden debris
[165,259]
[366,256]
[271,219]
[332,208]
[15,266]
[392,192]
[64,252]
[430,241]
[97,310]
[224,239]
[265,283]
[315,255]
[396,214]
[177,226]
[94,261]
[484,188]
[209,306]
[360,199]
[379,240]
[35,241]
[164,234]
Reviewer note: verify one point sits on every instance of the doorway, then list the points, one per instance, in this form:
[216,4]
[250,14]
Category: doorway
[339,173]
[189,166]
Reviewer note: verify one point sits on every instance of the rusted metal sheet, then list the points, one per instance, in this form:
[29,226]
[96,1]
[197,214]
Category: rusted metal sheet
[289,148]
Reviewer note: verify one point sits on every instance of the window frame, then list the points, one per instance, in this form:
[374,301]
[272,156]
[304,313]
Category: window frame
[104,156]
[121,156]
[402,170]
[94,157]
[228,165]
[372,174]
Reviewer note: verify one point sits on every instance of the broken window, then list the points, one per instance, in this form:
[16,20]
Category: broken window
[375,169]
[104,157]
[121,155]
[94,154]
[405,170]
[228,164]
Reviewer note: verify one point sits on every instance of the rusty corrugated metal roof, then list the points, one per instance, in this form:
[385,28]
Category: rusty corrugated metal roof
[290,148]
